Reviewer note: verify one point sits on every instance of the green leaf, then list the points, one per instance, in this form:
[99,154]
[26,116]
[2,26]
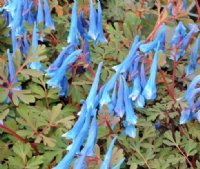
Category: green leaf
[190,148]
[22,150]
[35,162]
[3,94]
[32,72]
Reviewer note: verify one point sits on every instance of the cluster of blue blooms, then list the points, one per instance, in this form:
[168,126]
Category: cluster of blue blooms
[129,87]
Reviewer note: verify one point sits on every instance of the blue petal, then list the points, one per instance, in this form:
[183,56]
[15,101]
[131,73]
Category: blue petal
[40,13]
[48,19]
[117,166]
[130,130]
[106,163]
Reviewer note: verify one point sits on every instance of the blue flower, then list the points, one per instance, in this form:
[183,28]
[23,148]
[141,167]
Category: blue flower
[61,57]
[127,62]
[140,102]
[179,34]
[198,116]
[100,37]
[190,68]
[72,133]
[86,49]
[130,130]
[143,75]
[149,91]
[64,89]
[186,116]
[106,163]
[119,108]
[92,33]
[48,19]
[40,13]
[90,101]
[153,44]
[35,65]
[131,118]
[73,32]
[57,76]
[77,143]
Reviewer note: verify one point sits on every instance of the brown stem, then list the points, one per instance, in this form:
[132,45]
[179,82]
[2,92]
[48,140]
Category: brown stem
[13,133]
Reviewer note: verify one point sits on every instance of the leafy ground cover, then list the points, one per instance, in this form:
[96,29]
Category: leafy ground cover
[99,84]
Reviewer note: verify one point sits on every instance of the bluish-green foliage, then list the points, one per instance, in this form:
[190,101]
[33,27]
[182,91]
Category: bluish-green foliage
[99,84]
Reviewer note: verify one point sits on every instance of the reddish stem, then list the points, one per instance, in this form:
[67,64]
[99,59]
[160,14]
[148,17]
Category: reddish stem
[198,9]
[13,133]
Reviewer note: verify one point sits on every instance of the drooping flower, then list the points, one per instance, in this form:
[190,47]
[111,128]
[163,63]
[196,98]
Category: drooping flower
[140,101]
[192,65]
[129,130]
[90,101]
[77,143]
[153,44]
[100,34]
[48,20]
[35,65]
[149,91]
[73,32]
[92,33]
[143,75]
[119,108]
[131,118]
[186,116]
[106,163]
[40,13]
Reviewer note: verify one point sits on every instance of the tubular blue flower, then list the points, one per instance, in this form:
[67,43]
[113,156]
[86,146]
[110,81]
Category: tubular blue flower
[143,75]
[73,32]
[14,40]
[73,132]
[149,91]
[58,75]
[47,15]
[90,101]
[190,98]
[106,163]
[184,4]
[59,60]
[136,82]
[11,67]
[79,140]
[191,87]
[89,146]
[131,118]
[130,130]
[35,65]
[127,62]
[153,44]
[64,89]
[40,13]
[179,34]
[105,97]
[140,101]
[190,68]
[92,33]
[119,164]
[119,108]
[100,37]
[86,49]
[186,116]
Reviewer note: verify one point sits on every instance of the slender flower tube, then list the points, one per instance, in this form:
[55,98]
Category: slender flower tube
[61,57]
[92,33]
[140,101]
[79,140]
[89,146]
[149,91]
[86,49]
[72,133]
[190,68]
[90,101]
[40,13]
[106,163]
[143,75]
[119,108]
[35,65]
[73,32]
[153,44]
[48,19]
[100,37]
[186,116]
[131,118]
[127,62]
[130,130]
